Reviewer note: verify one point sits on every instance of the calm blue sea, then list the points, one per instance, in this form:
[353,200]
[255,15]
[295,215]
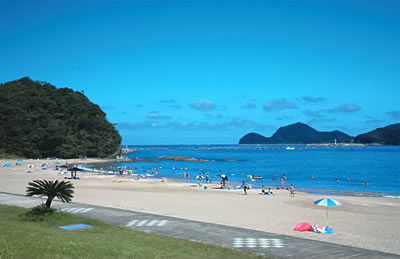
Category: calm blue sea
[337,170]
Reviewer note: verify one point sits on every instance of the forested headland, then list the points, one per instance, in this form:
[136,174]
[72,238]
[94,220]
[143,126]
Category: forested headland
[38,120]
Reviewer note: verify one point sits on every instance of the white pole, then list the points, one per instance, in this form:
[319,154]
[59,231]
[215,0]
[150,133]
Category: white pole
[327,216]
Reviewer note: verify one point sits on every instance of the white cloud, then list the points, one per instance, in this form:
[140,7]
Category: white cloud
[157,116]
[278,105]
[345,108]
[203,105]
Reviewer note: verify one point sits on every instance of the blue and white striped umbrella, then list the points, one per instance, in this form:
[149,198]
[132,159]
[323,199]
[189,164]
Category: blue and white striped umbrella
[327,202]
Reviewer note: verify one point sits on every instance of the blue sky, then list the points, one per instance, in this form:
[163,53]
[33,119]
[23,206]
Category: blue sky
[206,72]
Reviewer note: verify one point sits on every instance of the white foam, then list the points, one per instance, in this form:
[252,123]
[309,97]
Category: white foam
[392,196]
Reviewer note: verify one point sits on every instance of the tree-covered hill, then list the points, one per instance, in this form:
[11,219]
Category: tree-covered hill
[39,120]
[297,133]
[389,135]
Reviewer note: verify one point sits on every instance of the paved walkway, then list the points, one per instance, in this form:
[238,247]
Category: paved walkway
[259,242]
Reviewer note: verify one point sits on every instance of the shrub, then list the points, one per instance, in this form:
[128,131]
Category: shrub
[40,210]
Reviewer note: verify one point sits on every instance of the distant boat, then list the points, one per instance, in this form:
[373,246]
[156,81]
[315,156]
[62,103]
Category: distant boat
[290,148]
[254,177]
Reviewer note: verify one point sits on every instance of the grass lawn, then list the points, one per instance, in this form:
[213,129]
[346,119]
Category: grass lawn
[23,237]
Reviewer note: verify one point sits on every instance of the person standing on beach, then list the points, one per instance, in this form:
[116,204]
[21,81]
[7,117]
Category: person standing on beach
[291,190]
[245,187]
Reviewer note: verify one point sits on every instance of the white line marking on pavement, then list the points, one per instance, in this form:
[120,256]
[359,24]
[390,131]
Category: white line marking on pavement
[251,242]
[86,210]
[78,210]
[277,243]
[264,242]
[131,223]
[147,223]
[238,242]
[162,223]
[151,223]
[257,242]
[141,223]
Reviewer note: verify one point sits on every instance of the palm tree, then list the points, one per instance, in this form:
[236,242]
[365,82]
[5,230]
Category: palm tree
[62,190]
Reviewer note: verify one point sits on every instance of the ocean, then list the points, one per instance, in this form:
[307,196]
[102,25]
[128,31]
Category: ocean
[317,169]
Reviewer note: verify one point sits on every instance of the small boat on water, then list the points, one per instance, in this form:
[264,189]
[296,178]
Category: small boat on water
[290,148]
[254,177]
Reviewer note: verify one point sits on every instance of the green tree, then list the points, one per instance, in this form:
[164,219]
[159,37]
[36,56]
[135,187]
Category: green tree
[62,190]
[38,120]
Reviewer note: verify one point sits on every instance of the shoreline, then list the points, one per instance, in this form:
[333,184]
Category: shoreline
[94,162]
[366,222]
[232,184]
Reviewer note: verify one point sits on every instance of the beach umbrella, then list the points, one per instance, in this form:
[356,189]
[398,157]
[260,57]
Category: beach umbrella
[74,169]
[223,176]
[327,202]
[199,177]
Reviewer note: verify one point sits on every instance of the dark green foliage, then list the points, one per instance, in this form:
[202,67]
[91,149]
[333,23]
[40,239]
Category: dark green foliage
[254,138]
[300,133]
[62,190]
[389,135]
[39,120]
[35,213]
[297,133]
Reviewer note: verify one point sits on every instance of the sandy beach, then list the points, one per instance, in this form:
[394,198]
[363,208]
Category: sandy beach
[365,222]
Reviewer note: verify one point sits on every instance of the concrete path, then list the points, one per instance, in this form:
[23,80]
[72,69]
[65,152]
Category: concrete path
[259,242]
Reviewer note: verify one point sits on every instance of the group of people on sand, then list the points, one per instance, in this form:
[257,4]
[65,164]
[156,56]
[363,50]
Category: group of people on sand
[246,187]
[263,191]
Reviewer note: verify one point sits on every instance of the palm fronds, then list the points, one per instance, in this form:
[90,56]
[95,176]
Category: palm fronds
[63,190]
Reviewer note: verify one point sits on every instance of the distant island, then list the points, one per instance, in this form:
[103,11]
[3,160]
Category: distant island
[38,120]
[297,133]
[300,133]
